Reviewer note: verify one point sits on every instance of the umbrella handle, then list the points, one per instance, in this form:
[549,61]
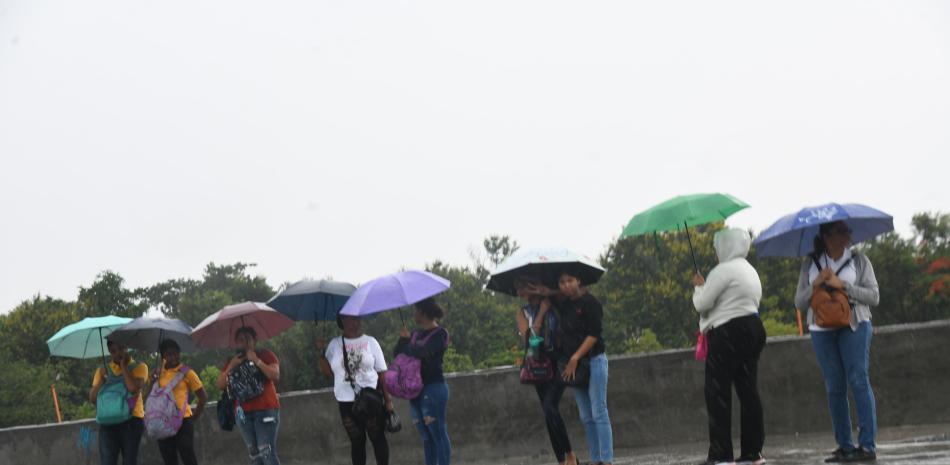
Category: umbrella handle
[691,253]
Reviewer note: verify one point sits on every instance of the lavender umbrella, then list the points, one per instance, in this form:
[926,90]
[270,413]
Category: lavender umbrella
[394,291]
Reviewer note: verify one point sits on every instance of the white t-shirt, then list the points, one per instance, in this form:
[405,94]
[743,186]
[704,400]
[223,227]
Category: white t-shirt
[849,274]
[366,361]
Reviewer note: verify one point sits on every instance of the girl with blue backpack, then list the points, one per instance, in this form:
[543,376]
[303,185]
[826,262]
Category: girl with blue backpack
[117,395]
[168,416]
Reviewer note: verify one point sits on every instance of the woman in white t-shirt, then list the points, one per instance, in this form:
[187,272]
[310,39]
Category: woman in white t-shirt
[366,365]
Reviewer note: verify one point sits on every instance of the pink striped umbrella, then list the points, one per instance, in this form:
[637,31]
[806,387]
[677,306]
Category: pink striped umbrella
[217,330]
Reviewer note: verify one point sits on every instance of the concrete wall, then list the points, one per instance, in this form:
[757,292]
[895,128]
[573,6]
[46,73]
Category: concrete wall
[654,399]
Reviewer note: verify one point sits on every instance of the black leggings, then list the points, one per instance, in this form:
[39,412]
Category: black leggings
[358,429]
[550,396]
[182,443]
[733,357]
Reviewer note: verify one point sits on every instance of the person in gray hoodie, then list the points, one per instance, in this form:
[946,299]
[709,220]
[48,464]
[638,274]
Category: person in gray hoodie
[728,306]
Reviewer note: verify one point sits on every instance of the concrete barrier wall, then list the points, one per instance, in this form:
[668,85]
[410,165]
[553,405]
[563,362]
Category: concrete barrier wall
[654,399]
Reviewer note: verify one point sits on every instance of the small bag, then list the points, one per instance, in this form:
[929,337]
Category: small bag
[831,306]
[581,373]
[163,417]
[702,346]
[369,402]
[404,377]
[245,381]
[114,403]
[393,423]
[536,367]
[226,411]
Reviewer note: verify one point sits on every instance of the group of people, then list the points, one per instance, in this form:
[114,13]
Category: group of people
[563,326]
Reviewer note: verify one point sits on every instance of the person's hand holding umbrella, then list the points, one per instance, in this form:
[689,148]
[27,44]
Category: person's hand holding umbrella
[698,280]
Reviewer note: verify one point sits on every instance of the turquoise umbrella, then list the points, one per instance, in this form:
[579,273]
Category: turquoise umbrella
[86,338]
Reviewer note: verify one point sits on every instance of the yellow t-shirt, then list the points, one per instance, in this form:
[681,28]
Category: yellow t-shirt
[191,382]
[140,372]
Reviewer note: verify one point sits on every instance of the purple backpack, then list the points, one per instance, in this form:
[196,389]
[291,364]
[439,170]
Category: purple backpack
[162,416]
[403,378]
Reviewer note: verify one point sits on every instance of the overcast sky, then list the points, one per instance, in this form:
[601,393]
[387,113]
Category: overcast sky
[350,139]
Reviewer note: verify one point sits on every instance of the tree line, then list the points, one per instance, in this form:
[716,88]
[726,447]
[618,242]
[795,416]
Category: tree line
[646,294]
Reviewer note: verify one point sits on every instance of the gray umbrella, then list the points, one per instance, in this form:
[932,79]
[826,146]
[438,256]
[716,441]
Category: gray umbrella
[146,333]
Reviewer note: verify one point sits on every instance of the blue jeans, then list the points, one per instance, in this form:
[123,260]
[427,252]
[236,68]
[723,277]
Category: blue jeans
[435,435]
[592,405]
[259,428]
[843,355]
[125,438]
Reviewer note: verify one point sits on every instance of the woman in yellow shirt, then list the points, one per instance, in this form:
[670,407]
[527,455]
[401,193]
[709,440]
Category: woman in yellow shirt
[182,443]
[124,437]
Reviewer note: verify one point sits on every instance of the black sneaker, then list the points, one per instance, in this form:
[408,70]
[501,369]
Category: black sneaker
[839,455]
[754,459]
[861,455]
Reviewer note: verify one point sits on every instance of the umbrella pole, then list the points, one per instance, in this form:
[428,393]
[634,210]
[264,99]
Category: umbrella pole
[691,253]
[103,352]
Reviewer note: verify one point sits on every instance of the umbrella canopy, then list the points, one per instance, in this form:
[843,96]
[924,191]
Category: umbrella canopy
[793,235]
[147,333]
[546,264]
[217,330]
[394,291]
[311,300]
[85,338]
[682,212]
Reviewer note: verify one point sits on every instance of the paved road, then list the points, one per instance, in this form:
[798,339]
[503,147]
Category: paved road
[919,445]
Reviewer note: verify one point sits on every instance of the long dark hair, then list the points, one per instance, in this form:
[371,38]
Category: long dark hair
[818,246]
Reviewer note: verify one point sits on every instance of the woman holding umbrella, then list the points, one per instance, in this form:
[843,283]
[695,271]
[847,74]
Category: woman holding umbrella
[843,351]
[728,306]
[535,317]
[429,409]
[355,361]
[122,437]
[258,416]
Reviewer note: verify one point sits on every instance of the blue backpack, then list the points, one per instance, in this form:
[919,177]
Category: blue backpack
[115,403]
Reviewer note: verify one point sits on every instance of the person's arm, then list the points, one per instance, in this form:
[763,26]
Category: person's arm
[222,381]
[865,290]
[98,380]
[522,323]
[270,370]
[706,294]
[132,383]
[804,291]
[202,400]
[380,366]
[323,362]
[539,318]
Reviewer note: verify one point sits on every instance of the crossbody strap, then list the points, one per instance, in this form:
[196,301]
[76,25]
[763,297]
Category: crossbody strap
[346,366]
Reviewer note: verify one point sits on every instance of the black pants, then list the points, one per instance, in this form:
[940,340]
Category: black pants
[733,357]
[124,439]
[550,396]
[182,443]
[358,429]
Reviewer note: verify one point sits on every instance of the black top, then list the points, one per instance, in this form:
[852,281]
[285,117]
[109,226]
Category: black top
[578,319]
[430,353]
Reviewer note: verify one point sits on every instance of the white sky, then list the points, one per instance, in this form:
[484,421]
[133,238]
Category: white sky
[352,138]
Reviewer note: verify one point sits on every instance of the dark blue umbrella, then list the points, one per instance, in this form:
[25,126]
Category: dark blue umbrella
[312,300]
[793,235]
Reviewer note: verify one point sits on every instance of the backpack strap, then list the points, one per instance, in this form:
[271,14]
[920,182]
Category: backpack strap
[814,258]
[843,265]
[425,340]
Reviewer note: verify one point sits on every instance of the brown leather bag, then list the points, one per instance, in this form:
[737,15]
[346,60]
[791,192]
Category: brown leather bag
[831,306]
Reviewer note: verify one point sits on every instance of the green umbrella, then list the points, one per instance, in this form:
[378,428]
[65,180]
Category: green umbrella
[679,213]
[86,338]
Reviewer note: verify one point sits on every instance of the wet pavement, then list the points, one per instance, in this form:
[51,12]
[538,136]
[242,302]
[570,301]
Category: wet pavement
[923,445]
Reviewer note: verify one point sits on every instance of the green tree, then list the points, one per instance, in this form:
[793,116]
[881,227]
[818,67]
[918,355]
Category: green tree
[108,296]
